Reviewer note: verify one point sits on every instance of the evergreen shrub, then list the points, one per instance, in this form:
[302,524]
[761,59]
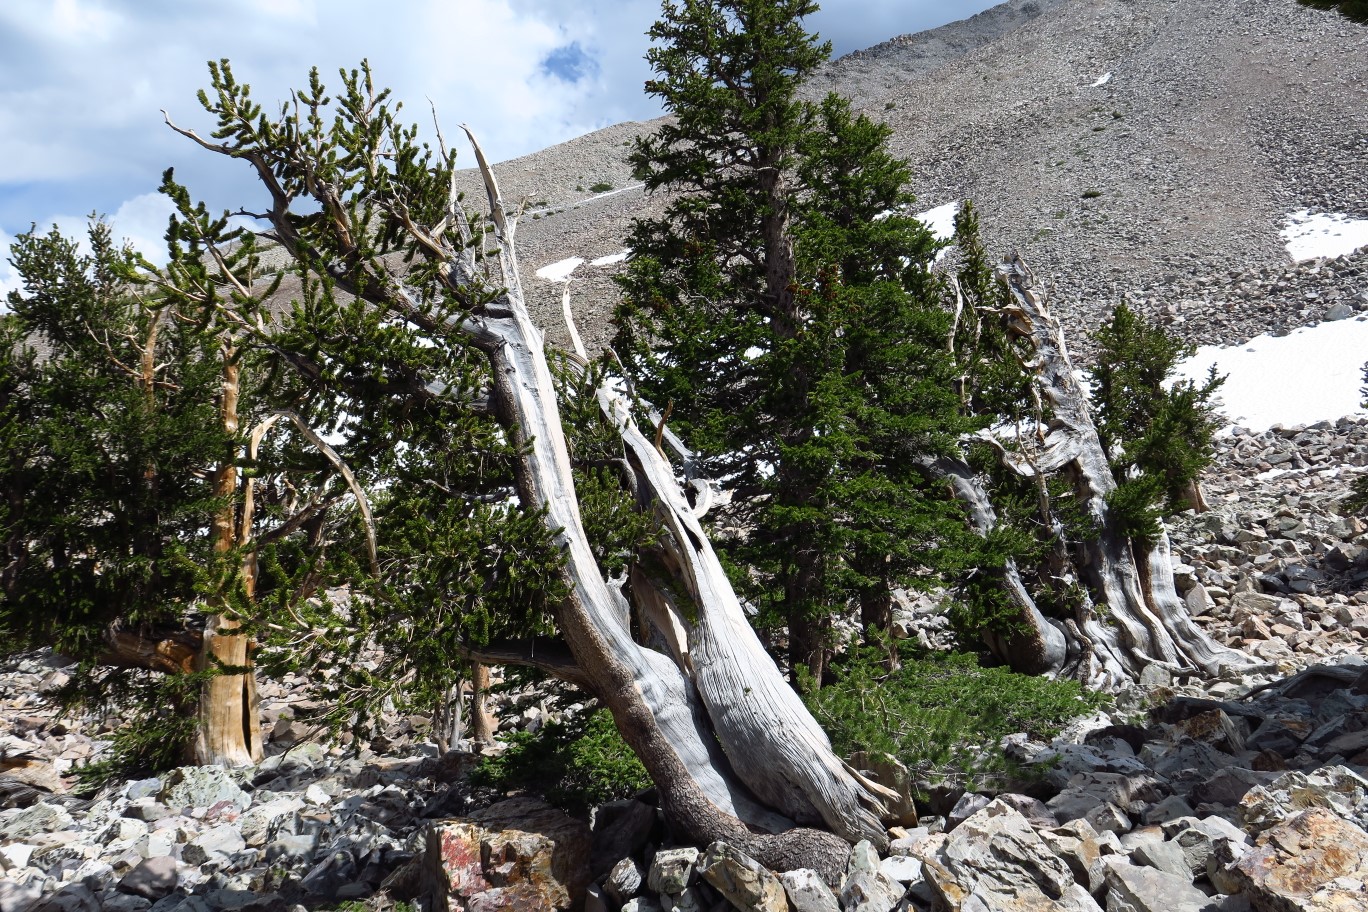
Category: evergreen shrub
[576,763]
[943,715]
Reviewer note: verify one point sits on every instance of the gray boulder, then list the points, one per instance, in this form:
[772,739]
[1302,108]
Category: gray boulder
[867,888]
[742,880]
[151,878]
[623,881]
[1165,856]
[996,861]
[1336,788]
[38,818]
[672,870]
[75,897]
[807,892]
[216,844]
[1131,888]
[1313,862]
[202,787]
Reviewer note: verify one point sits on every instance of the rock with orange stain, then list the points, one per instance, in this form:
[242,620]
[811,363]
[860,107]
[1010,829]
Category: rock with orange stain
[1314,861]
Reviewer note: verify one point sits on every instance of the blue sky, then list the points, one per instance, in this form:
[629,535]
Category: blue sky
[82,83]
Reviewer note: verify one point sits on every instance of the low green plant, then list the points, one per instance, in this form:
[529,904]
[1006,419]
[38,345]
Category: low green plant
[943,715]
[576,763]
[601,187]
[164,707]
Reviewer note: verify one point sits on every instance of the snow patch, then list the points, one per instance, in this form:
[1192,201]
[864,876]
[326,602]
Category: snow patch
[941,220]
[610,259]
[560,271]
[1102,80]
[1310,236]
[1312,374]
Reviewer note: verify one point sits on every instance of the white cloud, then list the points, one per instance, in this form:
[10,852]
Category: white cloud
[141,222]
[82,81]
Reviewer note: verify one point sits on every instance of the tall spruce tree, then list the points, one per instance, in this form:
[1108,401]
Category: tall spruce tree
[785,306]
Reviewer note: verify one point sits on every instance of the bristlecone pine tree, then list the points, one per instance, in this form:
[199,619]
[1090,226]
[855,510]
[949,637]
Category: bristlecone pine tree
[785,306]
[122,412]
[185,500]
[1094,598]
[1158,431]
[111,436]
[366,211]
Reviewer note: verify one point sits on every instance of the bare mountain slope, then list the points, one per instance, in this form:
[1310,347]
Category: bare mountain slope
[867,75]
[1142,147]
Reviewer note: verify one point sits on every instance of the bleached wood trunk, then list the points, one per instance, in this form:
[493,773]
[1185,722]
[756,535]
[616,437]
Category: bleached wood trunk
[715,724]
[1145,622]
[1042,646]
[670,718]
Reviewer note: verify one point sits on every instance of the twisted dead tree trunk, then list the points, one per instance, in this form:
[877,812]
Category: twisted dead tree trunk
[1138,619]
[733,751]
[771,748]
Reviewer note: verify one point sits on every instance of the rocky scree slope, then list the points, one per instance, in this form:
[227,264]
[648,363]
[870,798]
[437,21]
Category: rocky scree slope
[1186,795]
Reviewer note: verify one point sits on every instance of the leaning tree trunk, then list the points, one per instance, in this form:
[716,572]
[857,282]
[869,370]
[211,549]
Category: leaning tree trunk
[1146,623]
[1039,645]
[735,698]
[483,724]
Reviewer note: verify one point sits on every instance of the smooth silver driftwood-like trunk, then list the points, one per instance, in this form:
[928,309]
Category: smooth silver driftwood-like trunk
[725,690]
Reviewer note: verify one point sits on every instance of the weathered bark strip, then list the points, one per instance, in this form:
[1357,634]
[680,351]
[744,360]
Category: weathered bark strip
[1042,646]
[228,698]
[775,745]
[1147,623]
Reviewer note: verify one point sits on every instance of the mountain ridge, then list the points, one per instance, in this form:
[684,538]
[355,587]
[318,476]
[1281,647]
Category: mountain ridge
[1161,184]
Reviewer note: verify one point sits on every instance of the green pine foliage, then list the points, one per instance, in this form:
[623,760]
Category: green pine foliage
[105,476]
[1357,501]
[943,715]
[576,763]
[784,304]
[1158,434]
[459,562]
[996,389]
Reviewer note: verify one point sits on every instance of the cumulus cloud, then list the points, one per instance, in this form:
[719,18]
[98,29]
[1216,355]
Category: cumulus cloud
[82,82]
